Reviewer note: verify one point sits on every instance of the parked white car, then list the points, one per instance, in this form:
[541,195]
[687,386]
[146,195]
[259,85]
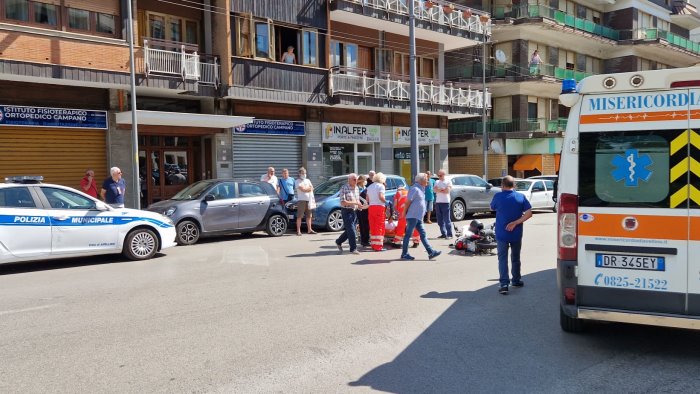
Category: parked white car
[538,191]
[40,221]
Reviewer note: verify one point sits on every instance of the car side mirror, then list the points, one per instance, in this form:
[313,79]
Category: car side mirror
[101,206]
[488,186]
[209,197]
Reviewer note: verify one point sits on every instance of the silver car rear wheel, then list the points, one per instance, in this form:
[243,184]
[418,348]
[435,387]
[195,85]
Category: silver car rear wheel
[335,221]
[276,226]
[459,210]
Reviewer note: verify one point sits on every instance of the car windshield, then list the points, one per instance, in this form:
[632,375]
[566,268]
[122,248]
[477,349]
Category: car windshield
[522,186]
[329,188]
[193,191]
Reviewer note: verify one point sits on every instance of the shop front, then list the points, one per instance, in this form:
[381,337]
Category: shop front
[56,143]
[427,139]
[348,148]
[267,143]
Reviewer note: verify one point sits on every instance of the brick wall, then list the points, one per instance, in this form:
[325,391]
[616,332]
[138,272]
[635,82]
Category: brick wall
[474,164]
[66,52]
[549,165]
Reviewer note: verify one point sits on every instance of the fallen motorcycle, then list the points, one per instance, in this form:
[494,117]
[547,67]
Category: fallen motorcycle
[475,239]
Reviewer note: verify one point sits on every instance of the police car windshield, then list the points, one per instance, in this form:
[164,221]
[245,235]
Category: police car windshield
[193,191]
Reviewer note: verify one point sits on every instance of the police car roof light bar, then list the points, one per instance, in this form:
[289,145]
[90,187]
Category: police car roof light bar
[24,179]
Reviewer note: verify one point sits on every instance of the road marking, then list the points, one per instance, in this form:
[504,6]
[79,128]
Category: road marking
[36,308]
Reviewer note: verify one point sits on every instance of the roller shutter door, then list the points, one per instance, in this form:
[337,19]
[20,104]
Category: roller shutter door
[61,156]
[253,154]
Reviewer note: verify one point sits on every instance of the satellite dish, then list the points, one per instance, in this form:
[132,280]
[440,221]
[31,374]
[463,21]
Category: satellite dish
[500,56]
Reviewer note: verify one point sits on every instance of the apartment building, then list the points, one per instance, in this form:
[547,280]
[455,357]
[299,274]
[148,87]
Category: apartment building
[341,103]
[336,103]
[573,39]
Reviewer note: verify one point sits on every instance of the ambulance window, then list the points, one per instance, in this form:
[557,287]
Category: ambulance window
[628,169]
[16,197]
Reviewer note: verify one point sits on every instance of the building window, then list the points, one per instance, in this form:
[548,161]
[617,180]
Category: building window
[106,23]
[383,60]
[263,41]
[17,10]
[309,48]
[343,54]
[78,19]
[170,28]
[45,14]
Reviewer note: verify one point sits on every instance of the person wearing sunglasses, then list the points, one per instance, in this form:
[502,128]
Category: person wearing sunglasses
[113,189]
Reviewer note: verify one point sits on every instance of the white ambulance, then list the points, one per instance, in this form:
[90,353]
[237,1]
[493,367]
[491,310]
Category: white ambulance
[629,200]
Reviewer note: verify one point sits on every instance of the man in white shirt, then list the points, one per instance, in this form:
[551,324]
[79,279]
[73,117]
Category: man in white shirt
[442,189]
[271,179]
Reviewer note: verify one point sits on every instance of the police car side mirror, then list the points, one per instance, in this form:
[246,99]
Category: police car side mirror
[100,206]
[209,197]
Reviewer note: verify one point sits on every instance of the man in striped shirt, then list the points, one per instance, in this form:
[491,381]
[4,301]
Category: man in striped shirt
[349,203]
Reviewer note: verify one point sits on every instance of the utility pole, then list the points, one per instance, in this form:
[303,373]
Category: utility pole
[134,125]
[414,90]
[485,141]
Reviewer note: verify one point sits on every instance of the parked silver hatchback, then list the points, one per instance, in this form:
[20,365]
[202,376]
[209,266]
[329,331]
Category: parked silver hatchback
[224,206]
[470,194]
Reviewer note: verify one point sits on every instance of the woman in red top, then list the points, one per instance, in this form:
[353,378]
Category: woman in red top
[88,183]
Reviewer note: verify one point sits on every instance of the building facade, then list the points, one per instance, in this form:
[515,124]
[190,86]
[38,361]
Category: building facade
[217,97]
[573,39]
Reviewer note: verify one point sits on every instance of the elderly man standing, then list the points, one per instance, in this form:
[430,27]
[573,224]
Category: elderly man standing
[349,203]
[442,188]
[512,210]
[270,178]
[113,189]
[414,210]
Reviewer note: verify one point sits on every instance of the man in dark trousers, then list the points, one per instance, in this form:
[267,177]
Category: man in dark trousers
[512,209]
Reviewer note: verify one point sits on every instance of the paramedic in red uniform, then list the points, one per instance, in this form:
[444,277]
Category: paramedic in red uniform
[377,203]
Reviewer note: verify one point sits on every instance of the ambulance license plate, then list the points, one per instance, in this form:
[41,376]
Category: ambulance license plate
[631,262]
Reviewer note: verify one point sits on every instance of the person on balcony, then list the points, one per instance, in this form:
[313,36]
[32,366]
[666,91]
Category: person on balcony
[535,62]
[289,57]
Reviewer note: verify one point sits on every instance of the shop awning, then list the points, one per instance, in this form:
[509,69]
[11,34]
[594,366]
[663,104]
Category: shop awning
[528,163]
[160,118]
[557,159]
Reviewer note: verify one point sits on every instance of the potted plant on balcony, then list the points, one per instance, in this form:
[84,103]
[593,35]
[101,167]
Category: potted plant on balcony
[467,14]
[447,9]
[429,4]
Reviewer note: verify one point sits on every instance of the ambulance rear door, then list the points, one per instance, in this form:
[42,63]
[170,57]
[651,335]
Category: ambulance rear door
[633,202]
[694,205]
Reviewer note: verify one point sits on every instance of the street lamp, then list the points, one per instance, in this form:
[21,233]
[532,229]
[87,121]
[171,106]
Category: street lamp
[484,19]
[134,125]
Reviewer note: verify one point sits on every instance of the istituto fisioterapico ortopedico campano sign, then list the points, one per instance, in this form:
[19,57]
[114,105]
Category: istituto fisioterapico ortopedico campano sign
[350,133]
[22,116]
[272,127]
[402,136]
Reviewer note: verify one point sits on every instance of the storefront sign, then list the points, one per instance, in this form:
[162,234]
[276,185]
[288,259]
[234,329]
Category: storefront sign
[402,136]
[335,153]
[13,115]
[272,127]
[405,153]
[343,132]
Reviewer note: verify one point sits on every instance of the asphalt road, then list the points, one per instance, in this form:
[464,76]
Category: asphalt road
[255,314]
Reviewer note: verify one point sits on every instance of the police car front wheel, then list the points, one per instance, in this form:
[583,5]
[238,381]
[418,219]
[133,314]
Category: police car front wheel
[140,244]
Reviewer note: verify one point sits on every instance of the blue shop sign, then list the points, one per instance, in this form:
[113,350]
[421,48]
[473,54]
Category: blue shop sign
[14,115]
[272,127]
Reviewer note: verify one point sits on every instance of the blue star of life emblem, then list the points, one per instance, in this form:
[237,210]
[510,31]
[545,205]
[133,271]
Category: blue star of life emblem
[632,167]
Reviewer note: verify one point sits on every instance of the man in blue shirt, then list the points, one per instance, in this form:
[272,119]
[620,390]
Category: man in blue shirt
[286,185]
[414,210]
[512,209]
[113,189]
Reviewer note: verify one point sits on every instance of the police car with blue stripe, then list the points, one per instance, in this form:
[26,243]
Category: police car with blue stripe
[40,221]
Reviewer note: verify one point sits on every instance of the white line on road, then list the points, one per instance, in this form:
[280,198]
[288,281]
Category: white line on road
[36,308]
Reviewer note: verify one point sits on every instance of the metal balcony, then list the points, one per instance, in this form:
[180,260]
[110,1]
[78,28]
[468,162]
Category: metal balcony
[345,81]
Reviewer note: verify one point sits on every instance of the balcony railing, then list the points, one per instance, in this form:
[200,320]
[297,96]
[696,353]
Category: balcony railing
[539,125]
[436,14]
[363,83]
[180,59]
[560,17]
[210,71]
[653,34]
[474,71]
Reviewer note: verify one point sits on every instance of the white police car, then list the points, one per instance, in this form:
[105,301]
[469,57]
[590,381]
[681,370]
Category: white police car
[41,221]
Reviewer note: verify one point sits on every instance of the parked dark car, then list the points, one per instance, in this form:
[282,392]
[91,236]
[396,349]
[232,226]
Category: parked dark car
[327,214]
[224,206]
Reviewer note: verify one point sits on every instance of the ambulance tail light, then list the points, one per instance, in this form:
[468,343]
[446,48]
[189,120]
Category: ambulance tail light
[685,84]
[567,230]
[570,295]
